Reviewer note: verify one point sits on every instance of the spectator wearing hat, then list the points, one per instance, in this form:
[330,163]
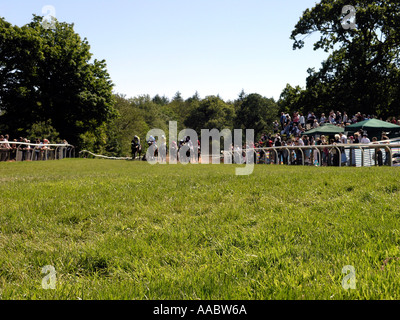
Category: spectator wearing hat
[364,139]
[356,138]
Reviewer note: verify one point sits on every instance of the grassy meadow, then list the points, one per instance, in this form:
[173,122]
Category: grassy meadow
[129,230]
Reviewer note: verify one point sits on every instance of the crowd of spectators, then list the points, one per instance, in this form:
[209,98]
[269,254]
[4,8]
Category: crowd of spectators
[287,131]
[328,155]
[297,123]
[30,150]
[290,131]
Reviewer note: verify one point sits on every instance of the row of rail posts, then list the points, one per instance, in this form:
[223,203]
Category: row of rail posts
[339,147]
[62,151]
[35,152]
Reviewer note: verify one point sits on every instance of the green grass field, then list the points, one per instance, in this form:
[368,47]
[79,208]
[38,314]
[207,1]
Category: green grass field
[128,230]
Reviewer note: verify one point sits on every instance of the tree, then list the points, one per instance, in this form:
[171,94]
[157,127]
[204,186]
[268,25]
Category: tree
[257,112]
[121,130]
[290,100]
[43,130]
[211,113]
[46,74]
[362,71]
[195,97]
[177,97]
[162,101]
[238,102]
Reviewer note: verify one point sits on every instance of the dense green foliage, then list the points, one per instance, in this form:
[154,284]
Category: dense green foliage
[51,88]
[47,75]
[256,112]
[362,73]
[128,230]
[140,114]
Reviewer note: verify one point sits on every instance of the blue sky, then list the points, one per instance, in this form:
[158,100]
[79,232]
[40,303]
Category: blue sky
[210,46]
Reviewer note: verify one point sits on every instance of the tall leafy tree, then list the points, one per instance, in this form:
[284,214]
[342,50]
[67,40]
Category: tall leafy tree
[238,102]
[290,100]
[162,101]
[257,112]
[195,97]
[177,97]
[362,71]
[211,113]
[48,74]
[132,121]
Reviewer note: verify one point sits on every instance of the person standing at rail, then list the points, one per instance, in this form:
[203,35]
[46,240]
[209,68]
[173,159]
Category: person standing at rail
[364,139]
[378,153]
[278,143]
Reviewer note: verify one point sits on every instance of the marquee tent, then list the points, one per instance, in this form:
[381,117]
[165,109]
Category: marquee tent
[326,129]
[375,127]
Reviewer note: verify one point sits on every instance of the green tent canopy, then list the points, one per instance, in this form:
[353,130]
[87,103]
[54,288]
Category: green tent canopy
[375,127]
[326,129]
[373,124]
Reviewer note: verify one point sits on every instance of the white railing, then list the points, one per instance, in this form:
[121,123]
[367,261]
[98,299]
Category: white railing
[359,155]
[356,154]
[81,153]
[26,151]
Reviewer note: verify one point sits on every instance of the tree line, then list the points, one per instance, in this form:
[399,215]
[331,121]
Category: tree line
[140,114]
[51,87]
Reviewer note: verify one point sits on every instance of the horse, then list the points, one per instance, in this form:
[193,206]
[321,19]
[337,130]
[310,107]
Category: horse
[154,153]
[163,152]
[136,148]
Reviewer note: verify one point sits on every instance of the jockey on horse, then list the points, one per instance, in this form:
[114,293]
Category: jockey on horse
[136,147]
[152,142]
